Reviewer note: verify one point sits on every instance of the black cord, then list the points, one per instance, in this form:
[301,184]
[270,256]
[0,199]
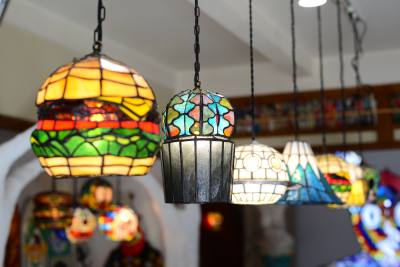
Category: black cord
[341,73]
[322,81]
[253,115]
[294,73]
[98,33]
[197,83]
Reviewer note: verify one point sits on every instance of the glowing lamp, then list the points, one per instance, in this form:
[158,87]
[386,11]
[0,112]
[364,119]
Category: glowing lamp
[307,184]
[312,3]
[97,117]
[97,195]
[83,225]
[119,224]
[336,172]
[52,210]
[197,153]
[259,176]
[213,221]
[359,186]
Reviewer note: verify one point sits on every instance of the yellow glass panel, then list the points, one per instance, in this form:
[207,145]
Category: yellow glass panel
[86,73]
[40,97]
[134,101]
[88,63]
[117,89]
[43,161]
[60,171]
[58,161]
[144,162]
[44,85]
[55,90]
[87,161]
[146,93]
[58,76]
[130,114]
[140,81]
[85,171]
[116,170]
[80,88]
[139,171]
[65,67]
[113,160]
[118,77]
[140,110]
[47,170]
[112,99]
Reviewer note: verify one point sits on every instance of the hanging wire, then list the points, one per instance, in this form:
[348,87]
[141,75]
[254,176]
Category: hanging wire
[294,73]
[197,83]
[253,115]
[341,73]
[322,80]
[98,32]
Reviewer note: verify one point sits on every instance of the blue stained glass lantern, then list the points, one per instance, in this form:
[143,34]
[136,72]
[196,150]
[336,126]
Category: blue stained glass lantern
[307,184]
[197,153]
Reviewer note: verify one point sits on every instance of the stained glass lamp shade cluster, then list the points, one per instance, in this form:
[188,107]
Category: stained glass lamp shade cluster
[197,153]
[119,224]
[260,175]
[336,173]
[97,117]
[307,184]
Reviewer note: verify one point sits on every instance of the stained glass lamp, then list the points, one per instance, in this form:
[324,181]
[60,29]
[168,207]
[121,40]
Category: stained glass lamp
[260,175]
[359,186]
[52,210]
[336,172]
[197,153]
[307,184]
[84,223]
[97,117]
[97,195]
[119,224]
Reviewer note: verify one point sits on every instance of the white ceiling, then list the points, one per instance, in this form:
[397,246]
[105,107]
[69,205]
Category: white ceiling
[163,29]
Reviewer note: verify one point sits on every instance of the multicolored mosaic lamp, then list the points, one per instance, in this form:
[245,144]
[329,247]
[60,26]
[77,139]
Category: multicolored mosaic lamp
[336,172]
[84,223]
[97,117]
[97,195]
[197,153]
[307,184]
[359,186]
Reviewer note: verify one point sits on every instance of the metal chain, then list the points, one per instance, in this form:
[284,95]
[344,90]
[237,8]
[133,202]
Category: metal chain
[253,115]
[322,81]
[294,73]
[98,32]
[341,73]
[197,83]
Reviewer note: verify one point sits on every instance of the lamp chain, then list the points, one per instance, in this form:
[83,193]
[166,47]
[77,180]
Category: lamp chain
[322,81]
[98,33]
[197,83]
[253,115]
[341,73]
[294,73]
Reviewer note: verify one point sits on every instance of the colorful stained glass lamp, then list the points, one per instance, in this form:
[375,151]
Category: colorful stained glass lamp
[97,117]
[97,195]
[336,173]
[197,153]
[84,224]
[307,184]
[359,186]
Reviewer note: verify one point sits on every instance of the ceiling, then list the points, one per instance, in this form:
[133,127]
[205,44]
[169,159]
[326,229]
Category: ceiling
[163,30]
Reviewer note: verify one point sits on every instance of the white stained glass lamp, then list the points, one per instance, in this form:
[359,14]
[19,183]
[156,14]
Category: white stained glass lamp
[312,3]
[260,175]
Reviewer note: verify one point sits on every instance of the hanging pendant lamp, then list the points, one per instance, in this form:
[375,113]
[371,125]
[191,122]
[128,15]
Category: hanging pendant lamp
[197,153]
[97,117]
[307,184]
[260,174]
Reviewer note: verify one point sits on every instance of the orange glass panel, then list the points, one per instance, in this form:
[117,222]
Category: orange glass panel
[88,63]
[64,125]
[86,73]
[55,90]
[85,124]
[81,88]
[125,78]
[117,89]
[58,76]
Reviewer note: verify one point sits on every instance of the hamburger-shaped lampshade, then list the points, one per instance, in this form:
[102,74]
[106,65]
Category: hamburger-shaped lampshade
[307,184]
[84,223]
[97,117]
[52,210]
[119,224]
[197,153]
[260,175]
[97,195]
[336,172]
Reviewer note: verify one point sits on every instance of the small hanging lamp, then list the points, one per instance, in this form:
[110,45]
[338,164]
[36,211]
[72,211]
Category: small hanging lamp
[260,174]
[307,184]
[97,117]
[97,195]
[197,153]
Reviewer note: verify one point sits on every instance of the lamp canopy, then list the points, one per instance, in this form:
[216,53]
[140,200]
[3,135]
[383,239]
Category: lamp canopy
[97,117]
[307,184]
[260,175]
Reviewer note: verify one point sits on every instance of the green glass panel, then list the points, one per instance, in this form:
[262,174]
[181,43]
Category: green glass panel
[73,143]
[114,148]
[129,151]
[152,147]
[48,152]
[102,146]
[52,134]
[42,136]
[59,148]
[63,134]
[141,144]
[86,150]
[143,153]
[125,132]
